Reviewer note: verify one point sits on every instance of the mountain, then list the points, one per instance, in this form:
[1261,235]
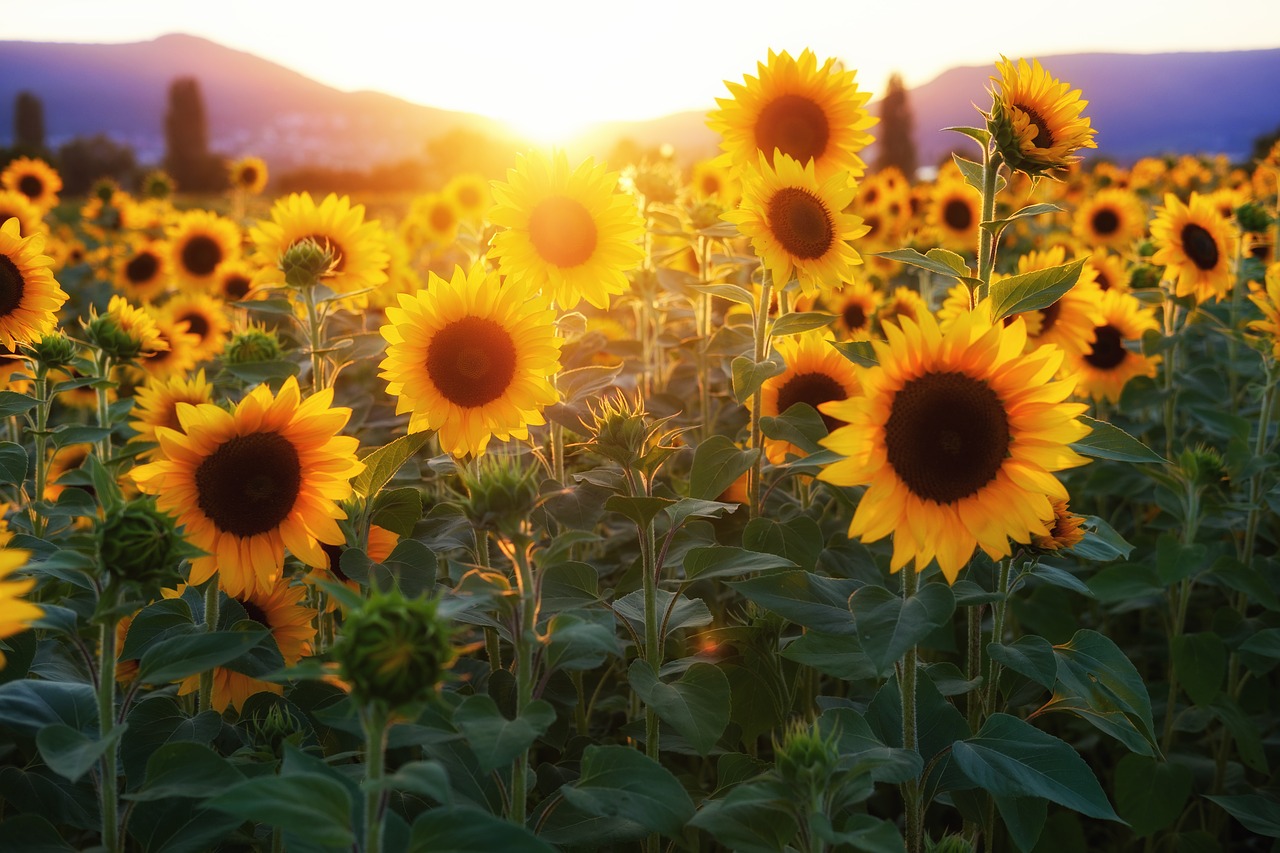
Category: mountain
[1140,104]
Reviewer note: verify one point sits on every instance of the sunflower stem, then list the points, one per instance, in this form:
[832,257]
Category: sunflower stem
[997,630]
[43,405]
[375,745]
[907,683]
[103,363]
[1170,362]
[702,319]
[526,641]
[991,163]
[314,340]
[761,350]
[211,604]
[106,723]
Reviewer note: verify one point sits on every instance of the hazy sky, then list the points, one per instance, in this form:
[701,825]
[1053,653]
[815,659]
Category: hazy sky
[597,61]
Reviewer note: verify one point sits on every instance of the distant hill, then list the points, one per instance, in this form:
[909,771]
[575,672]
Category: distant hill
[1141,104]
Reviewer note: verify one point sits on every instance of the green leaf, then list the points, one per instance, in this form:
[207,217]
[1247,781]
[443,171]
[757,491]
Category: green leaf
[687,508]
[731,292]
[1011,758]
[1200,662]
[839,657]
[259,372]
[979,135]
[859,352]
[424,778]
[1245,731]
[397,510]
[749,375]
[13,463]
[12,403]
[1108,441]
[186,769]
[799,539]
[1257,813]
[1150,794]
[800,425]
[722,561]
[581,640]
[469,830]
[924,262]
[696,705]
[1176,561]
[1261,651]
[1093,670]
[581,382]
[798,322]
[888,626]
[1101,541]
[1029,655]
[951,259]
[31,833]
[639,509]
[495,740]
[621,782]
[165,617]
[865,752]
[29,705]
[382,463]
[753,817]
[316,808]
[179,657]
[1032,291]
[69,753]
[566,585]
[816,602]
[1022,213]
[156,721]
[1024,817]
[687,613]
[717,463]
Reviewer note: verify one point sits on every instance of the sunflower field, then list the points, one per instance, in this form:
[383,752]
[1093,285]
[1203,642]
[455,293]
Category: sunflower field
[775,504]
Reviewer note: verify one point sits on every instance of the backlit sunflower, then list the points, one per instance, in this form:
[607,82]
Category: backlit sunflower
[178,355]
[569,233]
[1268,302]
[249,483]
[1196,245]
[155,404]
[126,331]
[855,307]
[16,613]
[361,260]
[711,180]
[1114,357]
[799,226]
[1110,271]
[437,218]
[816,373]
[142,273]
[278,608]
[472,358]
[1070,321]
[903,302]
[469,194]
[957,303]
[956,436]
[809,113]
[1036,119]
[1110,218]
[29,296]
[248,175]
[35,179]
[206,318]
[954,212]
[200,240]
[15,205]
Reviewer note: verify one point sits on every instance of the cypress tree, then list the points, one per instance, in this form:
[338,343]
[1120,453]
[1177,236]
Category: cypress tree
[896,144]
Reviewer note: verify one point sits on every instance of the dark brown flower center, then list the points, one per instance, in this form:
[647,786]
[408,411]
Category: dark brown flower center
[1199,246]
[248,176]
[142,268]
[250,483]
[812,388]
[947,436]
[472,361]
[1107,350]
[31,186]
[12,286]
[958,214]
[235,286]
[1105,222]
[854,316]
[201,255]
[334,553]
[562,231]
[1043,138]
[794,125]
[710,185]
[197,323]
[256,613]
[468,197]
[1049,317]
[1104,280]
[801,223]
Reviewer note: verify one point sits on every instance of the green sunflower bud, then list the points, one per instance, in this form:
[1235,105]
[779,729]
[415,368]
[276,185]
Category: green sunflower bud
[1145,276]
[272,729]
[621,431]
[501,494]
[657,182]
[1201,466]
[138,545]
[1252,217]
[105,333]
[306,262]
[394,651]
[705,214]
[952,844]
[806,759]
[53,350]
[253,345]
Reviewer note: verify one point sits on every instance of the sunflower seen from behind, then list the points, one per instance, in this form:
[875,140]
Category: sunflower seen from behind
[30,297]
[957,436]
[200,241]
[473,358]
[816,373]
[35,179]
[1036,119]
[568,232]
[1196,245]
[249,483]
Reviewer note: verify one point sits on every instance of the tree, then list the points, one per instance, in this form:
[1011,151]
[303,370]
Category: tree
[896,144]
[28,122]
[186,131]
[86,159]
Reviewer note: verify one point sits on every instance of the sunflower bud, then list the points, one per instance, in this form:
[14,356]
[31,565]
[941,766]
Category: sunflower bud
[1252,217]
[124,332]
[53,350]
[806,759]
[952,844]
[501,495]
[138,544]
[394,650]
[621,431]
[1066,530]
[272,729]
[1201,466]
[656,182]
[308,261]
[253,345]
[705,213]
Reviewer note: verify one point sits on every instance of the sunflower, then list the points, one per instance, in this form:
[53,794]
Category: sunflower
[799,227]
[1068,322]
[957,303]
[248,175]
[1066,530]
[127,329]
[469,194]
[1111,218]
[206,318]
[142,273]
[855,307]
[178,355]
[277,607]
[472,357]
[1112,359]
[955,210]
[233,280]
[106,218]
[199,241]
[1226,199]
[1196,245]
[361,260]
[1109,270]
[29,296]
[956,436]
[903,302]
[155,404]
[437,217]
[1036,119]
[16,614]
[35,179]
[811,114]
[249,483]
[12,363]
[381,543]
[15,205]
[816,373]
[566,232]
[1268,302]
[712,181]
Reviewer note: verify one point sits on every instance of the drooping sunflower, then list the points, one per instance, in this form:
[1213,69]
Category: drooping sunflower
[955,210]
[206,318]
[469,194]
[1070,321]
[143,272]
[248,175]
[35,179]
[1196,246]
[361,260]
[15,205]
[1036,119]
[1111,218]
[816,373]
[472,357]
[1113,358]
[200,240]
[855,307]
[249,483]
[957,436]
[1268,302]
[809,113]
[155,404]
[280,610]
[798,226]
[569,233]
[29,296]
[16,613]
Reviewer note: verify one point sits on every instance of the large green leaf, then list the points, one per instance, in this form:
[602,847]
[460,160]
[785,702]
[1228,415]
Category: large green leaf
[1029,655]
[816,602]
[888,626]
[469,830]
[1150,794]
[179,657]
[397,510]
[316,808]
[27,706]
[1108,441]
[495,740]
[156,721]
[839,657]
[723,561]
[798,539]
[581,640]
[69,753]
[717,463]
[749,375]
[1032,291]
[1011,758]
[381,464]
[1258,813]
[1095,671]
[696,705]
[186,769]
[621,782]
[13,463]
[754,817]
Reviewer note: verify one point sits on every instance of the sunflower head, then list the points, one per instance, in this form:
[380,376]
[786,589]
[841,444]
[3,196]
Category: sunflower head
[248,175]
[1066,530]
[53,350]
[200,241]
[308,262]
[1036,119]
[1196,245]
[335,223]
[16,613]
[816,373]
[35,179]
[157,184]
[138,545]
[30,298]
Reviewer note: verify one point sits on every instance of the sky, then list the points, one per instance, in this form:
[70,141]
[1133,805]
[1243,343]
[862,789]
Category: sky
[605,61]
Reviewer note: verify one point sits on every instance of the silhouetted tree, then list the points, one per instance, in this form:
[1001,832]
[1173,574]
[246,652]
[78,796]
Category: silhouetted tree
[85,159]
[895,135]
[28,122]
[1262,145]
[186,132]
